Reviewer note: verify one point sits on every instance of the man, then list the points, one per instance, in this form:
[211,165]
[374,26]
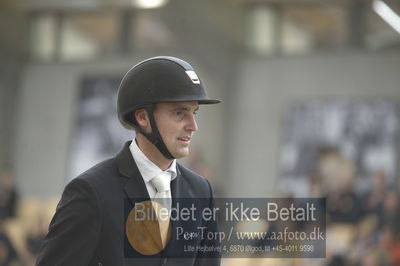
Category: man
[93,223]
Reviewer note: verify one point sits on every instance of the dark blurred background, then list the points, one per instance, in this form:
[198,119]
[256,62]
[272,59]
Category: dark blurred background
[311,107]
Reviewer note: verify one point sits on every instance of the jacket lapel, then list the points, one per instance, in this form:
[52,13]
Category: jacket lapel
[181,193]
[134,186]
[179,186]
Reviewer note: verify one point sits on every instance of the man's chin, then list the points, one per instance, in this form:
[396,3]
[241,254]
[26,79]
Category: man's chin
[180,154]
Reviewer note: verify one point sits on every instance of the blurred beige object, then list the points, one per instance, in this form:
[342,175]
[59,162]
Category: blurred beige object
[339,238]
[328,164]
[15,230]
[364,233]
[346,174]
[49,209]
[336,172]
[33,210]
[28,211]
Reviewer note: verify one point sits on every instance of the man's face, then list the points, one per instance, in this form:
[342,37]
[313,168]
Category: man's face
[176,123]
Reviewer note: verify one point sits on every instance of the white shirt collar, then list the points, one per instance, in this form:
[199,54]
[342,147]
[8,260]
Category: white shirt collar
[147,168]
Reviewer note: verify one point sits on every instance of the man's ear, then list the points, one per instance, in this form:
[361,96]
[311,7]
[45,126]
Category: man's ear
[142,120]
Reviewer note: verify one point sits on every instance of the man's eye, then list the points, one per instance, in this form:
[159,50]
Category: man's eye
[179,113]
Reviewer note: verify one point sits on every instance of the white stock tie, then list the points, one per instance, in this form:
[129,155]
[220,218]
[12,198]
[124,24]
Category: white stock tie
[163,197]
[162,186]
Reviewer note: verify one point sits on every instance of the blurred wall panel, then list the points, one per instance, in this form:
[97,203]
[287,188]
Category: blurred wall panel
[13,51]
[3,120]
[43,127]
[44,124]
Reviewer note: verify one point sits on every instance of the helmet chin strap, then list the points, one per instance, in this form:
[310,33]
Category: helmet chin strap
[155,136]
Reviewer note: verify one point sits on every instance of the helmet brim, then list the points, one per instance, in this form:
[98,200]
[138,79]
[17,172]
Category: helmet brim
[209,101]
[200,101]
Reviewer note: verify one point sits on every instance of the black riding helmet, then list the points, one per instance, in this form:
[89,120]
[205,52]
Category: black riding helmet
[157,80]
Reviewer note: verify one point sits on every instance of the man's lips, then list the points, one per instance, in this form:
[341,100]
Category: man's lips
[185,138]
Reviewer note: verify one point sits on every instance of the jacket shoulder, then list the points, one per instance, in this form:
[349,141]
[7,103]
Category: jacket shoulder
[103,168]
[98,179]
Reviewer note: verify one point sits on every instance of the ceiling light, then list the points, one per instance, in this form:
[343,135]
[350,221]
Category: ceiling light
[149,3]
[387,14]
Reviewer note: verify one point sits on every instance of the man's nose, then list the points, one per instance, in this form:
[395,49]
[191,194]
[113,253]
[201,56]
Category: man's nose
[191,125]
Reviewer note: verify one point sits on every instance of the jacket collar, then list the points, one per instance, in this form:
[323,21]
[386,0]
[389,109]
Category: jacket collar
[134,186]
[134,183]
[126,163]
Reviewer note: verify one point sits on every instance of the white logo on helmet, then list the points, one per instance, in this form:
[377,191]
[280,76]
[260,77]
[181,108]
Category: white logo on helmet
[193,76]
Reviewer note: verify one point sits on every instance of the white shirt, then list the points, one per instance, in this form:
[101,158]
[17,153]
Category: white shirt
[149,170]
